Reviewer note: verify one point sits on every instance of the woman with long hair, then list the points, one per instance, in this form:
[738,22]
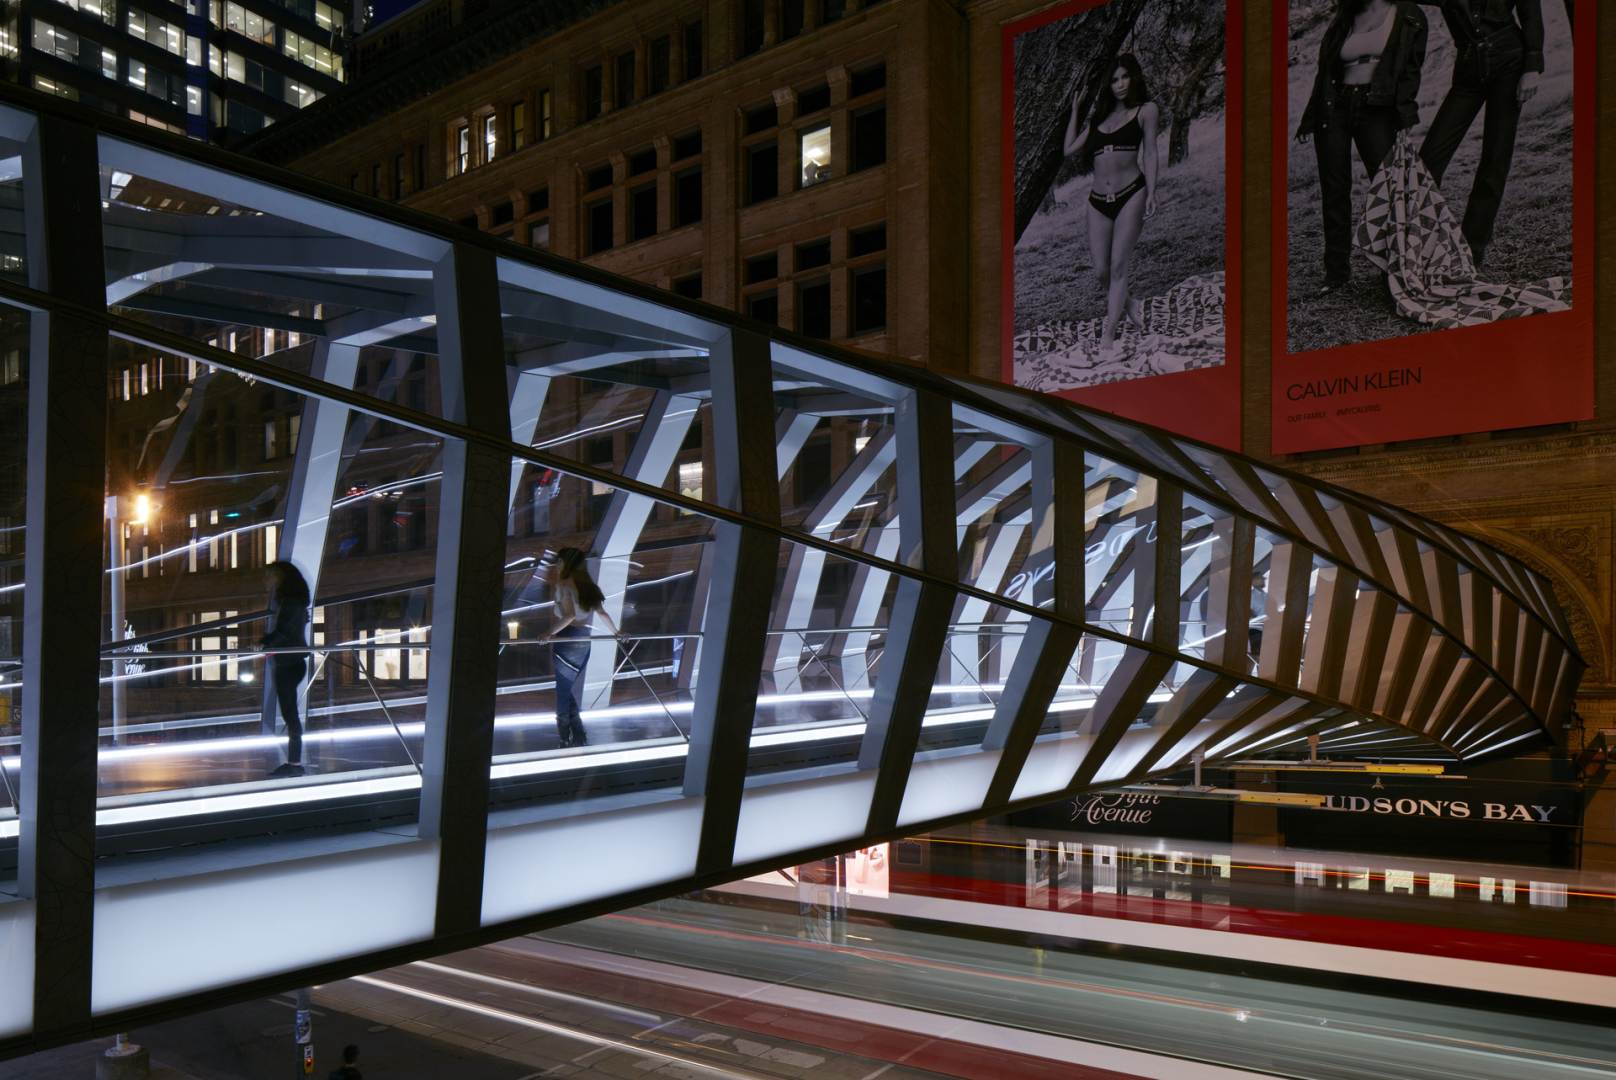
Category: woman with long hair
[1118,145]
[1364,93]
[288,627]
[578,602]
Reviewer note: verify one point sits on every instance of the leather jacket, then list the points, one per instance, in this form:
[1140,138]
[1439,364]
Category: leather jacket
[1396,82]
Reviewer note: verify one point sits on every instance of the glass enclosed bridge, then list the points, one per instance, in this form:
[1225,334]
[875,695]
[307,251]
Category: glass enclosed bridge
[855,598]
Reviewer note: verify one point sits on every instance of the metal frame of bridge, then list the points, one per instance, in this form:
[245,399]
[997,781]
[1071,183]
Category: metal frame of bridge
[1239,609]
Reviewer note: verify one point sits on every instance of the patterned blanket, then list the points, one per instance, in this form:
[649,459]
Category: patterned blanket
[1183,330]
[1408,231]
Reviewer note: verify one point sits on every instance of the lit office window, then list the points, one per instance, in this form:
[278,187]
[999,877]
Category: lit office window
[518,125]
[105,10]
[546,115]
[462,148]
[816,164]
[312,54]
[109,64]
[62,44]
[490,139]
[248,24]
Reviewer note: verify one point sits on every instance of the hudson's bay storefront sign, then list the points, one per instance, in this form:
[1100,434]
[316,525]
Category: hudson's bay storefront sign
[1524,811]
[1454,809]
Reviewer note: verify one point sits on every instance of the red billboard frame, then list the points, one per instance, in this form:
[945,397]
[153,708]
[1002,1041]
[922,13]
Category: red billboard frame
[1205,403]
[1478,378]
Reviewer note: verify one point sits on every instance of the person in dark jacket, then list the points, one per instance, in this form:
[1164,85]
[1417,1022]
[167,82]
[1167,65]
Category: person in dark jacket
[288,626]
[1500,59]
[1364,93]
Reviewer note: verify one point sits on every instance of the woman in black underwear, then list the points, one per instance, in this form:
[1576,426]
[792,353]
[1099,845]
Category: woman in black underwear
[1119,146]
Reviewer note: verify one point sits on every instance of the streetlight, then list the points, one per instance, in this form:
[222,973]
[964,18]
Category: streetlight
[122,510]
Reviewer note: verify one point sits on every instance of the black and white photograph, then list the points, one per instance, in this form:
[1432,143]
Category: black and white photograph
[1429,176]
[1118,212]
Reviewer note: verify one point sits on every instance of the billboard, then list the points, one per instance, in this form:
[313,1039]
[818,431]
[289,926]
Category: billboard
[1433,200]
[1120,209]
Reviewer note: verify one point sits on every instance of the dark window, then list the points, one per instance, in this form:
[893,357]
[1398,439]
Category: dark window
[501,213]
[688,286]
[642,161]
[693,43]
[751,26]
[792,14]
[761,118]
[468,222]
[538,200]
[623,95]
[764,307]
[869,137]
[812,255]
[657,66]
[870,79]
[420,167]
[376,180]
[594,91]
[600,225]
[813,309]
[642,212]
[762,173]
[833,10]
[598,177]
[811,101]
[518,120]
[686,146]
[869,299]
[762,268]
[866,240]
[687,197]
[398,176]
[353,181]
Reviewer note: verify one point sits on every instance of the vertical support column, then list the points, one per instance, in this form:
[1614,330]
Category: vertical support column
[662,432]
[469,584]
[1047,648]
[921,610]
[744,559]
[67,427]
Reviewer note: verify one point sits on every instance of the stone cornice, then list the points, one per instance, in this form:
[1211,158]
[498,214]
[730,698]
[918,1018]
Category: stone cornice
[1494,453]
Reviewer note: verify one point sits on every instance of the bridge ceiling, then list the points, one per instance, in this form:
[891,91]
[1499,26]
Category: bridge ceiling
[856,599]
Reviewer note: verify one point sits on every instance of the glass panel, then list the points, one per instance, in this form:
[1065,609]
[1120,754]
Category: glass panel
[265,278]
[1120,518]
[1262,550]
[997,513]
[595,715]
[631,400]
[1203,577]
[827,635]
[837,450]
[14,351]
[202,495]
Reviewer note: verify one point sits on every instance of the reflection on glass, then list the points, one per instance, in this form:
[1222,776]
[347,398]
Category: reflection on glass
[635,690]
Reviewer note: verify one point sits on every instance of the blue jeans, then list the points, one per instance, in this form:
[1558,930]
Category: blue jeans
[571,657]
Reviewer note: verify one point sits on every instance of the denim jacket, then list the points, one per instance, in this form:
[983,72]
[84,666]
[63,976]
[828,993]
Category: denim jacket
[1396,82]
[1472,23]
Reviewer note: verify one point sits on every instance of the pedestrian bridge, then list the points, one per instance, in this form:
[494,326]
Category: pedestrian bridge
[857,599]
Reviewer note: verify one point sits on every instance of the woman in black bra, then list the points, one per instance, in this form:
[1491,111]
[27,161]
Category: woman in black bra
[1119,146]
